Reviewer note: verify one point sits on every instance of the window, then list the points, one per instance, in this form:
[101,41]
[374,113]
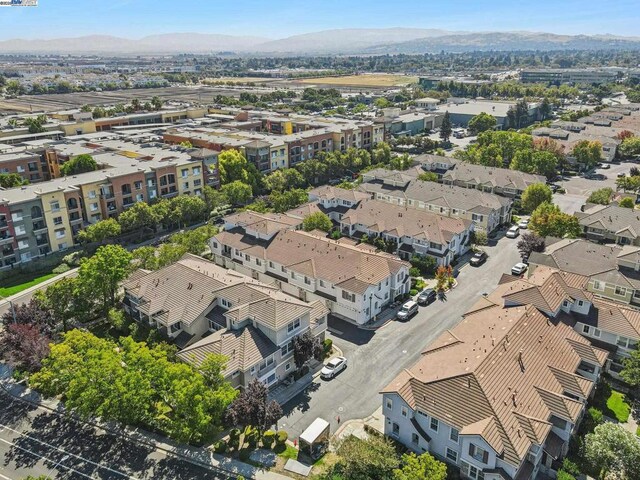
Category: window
[452,455]
[471,471]
[137,185]
[404,411]
[580,303]
[395,429]
[293,325]
[626,342]
[184,172]
[621,291]
[415,439]
[140,197]
[597,285]
[55,206]
[196,170]
[434,424]
[286,349]
[225,303]
[557,422]
[247,257]
[307,281]
[57,220]
[93,207]
[287,367]
[453,435]
[477,218]
[258,262]
[21,230]
[479,454]
[348,296]
[176,327]
[591,330]
[389,404]
[197,182]
[185,185]
[60,233]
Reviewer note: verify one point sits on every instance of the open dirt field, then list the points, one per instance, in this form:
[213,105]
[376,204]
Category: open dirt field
[364,80]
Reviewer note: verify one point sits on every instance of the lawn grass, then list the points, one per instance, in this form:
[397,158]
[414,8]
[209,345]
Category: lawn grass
[12,290]
[287,452]
[618,404]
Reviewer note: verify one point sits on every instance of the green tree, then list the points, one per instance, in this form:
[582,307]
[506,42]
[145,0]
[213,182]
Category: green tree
[80,164]
[134,384]
[65,300]
[317,221]
[547,220]
[213,198]
[237,192]
[358,459]
[156,102]
[138,217]
[601,196]
[627,203]
[11,180]
[233,166]
[400,162]
[169,253]
[446,129]
[420,467]
[481,123]
[631,371]
[212,369]
[35,125]
[194,241]
[612,450]
[100,231]
[630,147]
[187,210]
[283,201]
[537,162]
[145,257]
[101,274]
[382,153]
[283,179]
[428,177]
[587,153]
[545,108]
[534,195]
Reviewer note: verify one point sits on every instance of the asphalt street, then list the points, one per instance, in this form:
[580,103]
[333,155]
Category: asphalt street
[35,441]
[376,357]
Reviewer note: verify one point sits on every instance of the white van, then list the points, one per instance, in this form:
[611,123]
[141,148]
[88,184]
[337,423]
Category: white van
[407,311]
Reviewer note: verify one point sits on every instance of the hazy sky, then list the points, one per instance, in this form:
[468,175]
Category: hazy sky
[280,18]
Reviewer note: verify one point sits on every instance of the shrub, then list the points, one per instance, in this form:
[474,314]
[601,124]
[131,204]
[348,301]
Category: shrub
[413,292]
[414,272]
[73,259]
[268,438]
[62,268]
[220,446]
[234,439]
[282,437]
[328,345]
[570,467]
[480,238]
[244,454]
[251,436]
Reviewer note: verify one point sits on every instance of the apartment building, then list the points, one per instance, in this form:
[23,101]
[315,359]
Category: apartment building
[609,272]
[28,164]
[498,395]
[205,309]
[501,181]
[611,223]
[414,232]
[485,210]
[355,282]
[568,139]
[45,217]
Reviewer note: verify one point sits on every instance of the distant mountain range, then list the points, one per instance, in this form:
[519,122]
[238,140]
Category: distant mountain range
[339,41]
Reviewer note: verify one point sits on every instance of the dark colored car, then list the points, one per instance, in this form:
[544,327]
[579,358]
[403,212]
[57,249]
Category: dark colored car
[427,297]
[478,259]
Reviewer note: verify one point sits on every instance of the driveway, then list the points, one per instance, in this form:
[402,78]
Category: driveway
[376,357]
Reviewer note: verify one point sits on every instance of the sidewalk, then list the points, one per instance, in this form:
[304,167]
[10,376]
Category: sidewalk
[196,455]
[356,427]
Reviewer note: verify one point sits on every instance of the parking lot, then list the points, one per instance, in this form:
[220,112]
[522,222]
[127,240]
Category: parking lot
[579,188]
[376,357]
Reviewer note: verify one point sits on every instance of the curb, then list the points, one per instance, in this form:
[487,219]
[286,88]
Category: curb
[123,432]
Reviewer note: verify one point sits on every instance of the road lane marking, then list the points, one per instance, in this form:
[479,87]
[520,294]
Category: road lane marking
[56,465]
[53,447]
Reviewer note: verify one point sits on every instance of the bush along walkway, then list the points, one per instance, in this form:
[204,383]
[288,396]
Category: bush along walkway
[201,457]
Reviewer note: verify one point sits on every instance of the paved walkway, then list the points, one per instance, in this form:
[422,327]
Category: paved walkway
[356,427]
[198,456]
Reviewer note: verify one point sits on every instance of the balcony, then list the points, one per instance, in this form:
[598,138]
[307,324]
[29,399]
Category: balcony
[42,241]
[6,239]
[107,195]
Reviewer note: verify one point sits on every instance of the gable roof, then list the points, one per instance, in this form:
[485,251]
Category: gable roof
[614,219]
[503,364]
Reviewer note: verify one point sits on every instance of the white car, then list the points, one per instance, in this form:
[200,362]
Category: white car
[333,367]
[513,232]
[518,269]
[524,224]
